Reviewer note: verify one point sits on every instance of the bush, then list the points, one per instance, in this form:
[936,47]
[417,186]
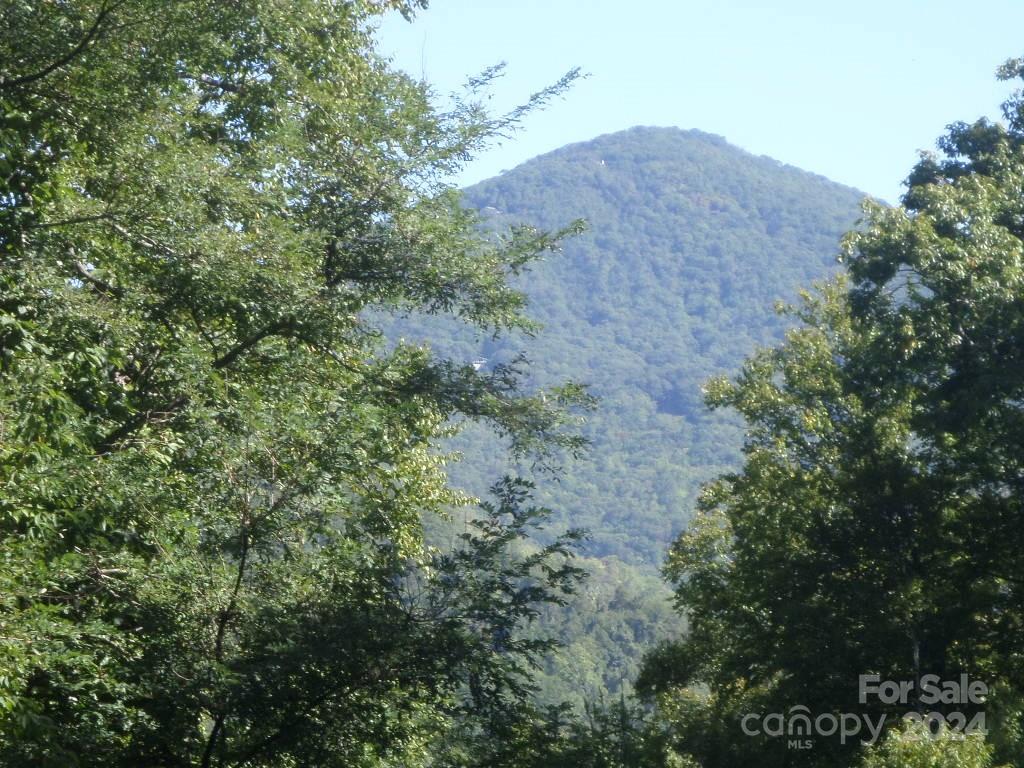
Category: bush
[914,746]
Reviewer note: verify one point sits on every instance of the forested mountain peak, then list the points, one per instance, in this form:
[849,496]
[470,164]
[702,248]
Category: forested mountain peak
[690,241]
[688,163]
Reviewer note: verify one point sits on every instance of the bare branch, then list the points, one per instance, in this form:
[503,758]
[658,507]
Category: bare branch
[102,286]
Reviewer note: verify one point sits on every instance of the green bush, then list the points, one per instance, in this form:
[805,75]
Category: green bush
[914,746]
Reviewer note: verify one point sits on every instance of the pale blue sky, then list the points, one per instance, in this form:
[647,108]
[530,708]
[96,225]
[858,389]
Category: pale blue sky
[850,90]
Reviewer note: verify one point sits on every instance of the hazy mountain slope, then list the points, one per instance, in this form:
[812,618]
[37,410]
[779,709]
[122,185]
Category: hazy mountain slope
[690,243]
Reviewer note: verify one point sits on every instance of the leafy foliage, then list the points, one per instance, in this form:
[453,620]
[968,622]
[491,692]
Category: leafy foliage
[877,514]
[916,747]
[213,474]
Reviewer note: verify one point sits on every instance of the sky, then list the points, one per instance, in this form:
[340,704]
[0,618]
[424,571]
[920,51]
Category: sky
[849,90]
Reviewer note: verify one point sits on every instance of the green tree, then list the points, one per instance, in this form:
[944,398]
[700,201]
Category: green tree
[213,474]
[621,735]
[916,747]
[875,526]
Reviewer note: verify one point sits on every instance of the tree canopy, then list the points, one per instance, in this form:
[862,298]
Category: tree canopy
[213,472]
[875,525]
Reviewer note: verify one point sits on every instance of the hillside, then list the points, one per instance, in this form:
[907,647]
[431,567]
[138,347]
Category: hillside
[690,242]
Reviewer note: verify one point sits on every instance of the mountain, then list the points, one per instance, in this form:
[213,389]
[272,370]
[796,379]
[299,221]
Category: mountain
[690,242]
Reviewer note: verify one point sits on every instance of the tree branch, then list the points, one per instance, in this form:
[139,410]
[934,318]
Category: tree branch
[211,742]
[222,626]
[71,221]
[90,35]
[225,615]
[246,344]
[102,286]
[219,84]
[109,443]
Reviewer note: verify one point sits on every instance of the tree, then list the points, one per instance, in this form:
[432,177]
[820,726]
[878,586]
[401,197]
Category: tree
[213,472]
[917,747]
[875,525]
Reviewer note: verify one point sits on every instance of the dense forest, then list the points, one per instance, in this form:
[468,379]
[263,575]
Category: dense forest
[308,458]
[689,243]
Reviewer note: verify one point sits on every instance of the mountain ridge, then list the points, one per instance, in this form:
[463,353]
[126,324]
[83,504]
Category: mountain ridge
[690,242]
[712,139]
